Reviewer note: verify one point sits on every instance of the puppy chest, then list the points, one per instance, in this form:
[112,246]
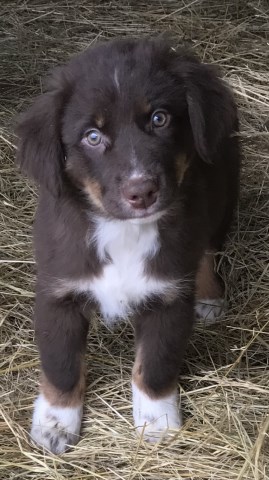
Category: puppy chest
[124,284]
[121,287]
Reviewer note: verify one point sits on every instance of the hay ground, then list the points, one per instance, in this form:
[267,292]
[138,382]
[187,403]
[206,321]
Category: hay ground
[225,379]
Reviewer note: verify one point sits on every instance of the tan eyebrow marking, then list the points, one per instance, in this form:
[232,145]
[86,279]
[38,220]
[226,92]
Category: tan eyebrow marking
[146,107]
[99,120]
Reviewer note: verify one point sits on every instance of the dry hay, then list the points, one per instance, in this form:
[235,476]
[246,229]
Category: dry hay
[225,381]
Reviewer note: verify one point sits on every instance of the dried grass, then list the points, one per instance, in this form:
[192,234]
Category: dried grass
[225,379]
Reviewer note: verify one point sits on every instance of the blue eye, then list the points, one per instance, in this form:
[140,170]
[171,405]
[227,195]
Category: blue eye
[94,137]
[159,118]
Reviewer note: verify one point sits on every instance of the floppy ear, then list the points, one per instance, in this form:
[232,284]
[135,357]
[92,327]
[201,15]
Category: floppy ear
[40,153]
[212,110]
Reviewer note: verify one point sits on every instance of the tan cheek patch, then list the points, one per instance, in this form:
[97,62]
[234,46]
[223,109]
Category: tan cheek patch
[56,398]
[93,189]
[182,165]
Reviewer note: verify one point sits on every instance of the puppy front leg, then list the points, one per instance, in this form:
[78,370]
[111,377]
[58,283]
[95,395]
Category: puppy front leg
[61,336]
[161,340]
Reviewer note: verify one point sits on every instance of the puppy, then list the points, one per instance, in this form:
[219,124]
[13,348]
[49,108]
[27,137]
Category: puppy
[134,151]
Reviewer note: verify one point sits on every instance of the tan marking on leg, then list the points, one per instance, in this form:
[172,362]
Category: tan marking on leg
[93,189]
[137,378]
[56,398]
[207,283]
[137,370]
[182,165]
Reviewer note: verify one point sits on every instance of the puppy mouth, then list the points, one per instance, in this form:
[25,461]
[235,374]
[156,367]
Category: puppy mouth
[144,215]
[140,208]
[125,212]
[147,217]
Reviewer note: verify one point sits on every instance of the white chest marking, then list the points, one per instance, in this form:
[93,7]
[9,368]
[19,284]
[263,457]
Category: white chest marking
[123,284]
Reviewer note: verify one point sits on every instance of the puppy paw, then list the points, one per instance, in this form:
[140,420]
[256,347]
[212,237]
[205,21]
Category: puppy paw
[153,418]
[55,428]
[209,311]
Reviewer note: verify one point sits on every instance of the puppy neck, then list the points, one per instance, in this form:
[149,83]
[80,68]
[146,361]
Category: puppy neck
[115,237]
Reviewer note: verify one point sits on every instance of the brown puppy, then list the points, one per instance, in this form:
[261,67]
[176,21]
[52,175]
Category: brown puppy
[133,148]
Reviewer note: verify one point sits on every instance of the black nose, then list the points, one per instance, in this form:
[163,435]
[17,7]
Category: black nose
[140,192]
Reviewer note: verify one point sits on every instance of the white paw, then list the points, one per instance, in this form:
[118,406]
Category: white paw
[210,310]
[154,418]
[55,427]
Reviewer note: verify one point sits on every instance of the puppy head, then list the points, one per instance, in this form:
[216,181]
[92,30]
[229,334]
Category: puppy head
[121,122]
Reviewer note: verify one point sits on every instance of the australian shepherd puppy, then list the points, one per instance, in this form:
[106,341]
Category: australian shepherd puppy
[134,148]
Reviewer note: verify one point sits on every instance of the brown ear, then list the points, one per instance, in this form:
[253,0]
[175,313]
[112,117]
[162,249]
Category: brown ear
[40,153]
[212,110]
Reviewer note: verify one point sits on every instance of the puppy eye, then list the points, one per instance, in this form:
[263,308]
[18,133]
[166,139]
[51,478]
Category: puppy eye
[159,118]
[93,137]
